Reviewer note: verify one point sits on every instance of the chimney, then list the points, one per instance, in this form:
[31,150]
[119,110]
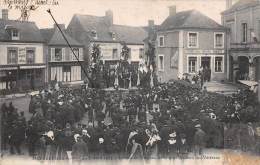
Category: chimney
[5,14]
[150,23]
[172,10]
[228,4]
[62,26]
[109,17]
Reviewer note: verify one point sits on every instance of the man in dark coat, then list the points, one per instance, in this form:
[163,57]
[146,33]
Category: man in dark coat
[79,150]
[199,140]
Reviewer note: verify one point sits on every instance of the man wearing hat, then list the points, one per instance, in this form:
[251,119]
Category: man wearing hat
[79,150]
[199,140]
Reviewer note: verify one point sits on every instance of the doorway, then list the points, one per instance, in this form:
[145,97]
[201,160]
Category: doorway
[205,62]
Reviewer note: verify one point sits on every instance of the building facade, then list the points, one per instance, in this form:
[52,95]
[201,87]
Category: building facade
[187,41]
[243,21]
[111,38]
[22,64]
[62,64]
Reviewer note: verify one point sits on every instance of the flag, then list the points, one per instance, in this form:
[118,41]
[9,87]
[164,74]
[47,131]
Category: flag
[151,80]
[130,81]
[138,78]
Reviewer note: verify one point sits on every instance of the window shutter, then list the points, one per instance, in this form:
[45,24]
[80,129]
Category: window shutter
[52,54]
[63,55]
[80,53]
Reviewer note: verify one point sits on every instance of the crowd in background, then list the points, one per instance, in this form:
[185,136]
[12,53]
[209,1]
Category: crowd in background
[169,120]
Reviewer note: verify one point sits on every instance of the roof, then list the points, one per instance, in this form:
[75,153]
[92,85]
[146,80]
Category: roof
[127,34]
[242,4]
[189,19]
[28,31]
[54,37]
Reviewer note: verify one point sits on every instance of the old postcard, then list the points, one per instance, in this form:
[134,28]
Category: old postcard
[111,82]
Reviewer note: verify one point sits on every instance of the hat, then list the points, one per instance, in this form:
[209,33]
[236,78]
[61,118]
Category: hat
[197,126]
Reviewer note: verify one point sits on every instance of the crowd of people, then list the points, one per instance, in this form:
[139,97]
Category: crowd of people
[168,120]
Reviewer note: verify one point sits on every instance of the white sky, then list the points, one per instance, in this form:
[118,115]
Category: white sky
[126,12]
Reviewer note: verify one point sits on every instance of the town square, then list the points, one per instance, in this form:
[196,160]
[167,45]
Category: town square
[94,90]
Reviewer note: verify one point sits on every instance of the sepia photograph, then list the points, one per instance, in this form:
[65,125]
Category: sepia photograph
[122,82]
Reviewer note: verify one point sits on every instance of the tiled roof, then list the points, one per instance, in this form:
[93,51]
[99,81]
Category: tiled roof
[241,4]
[28,31]
[128,34]
[189,19]
[54,37]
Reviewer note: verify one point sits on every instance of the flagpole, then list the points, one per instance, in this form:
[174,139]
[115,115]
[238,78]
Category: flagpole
[85,72]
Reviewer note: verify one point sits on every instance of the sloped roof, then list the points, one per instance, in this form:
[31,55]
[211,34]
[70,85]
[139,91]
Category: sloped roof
[28,31]
[54,37]
[189,19]
[128,34]
[242,4]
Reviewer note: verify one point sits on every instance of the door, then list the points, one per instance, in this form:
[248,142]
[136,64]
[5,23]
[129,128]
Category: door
[205,62]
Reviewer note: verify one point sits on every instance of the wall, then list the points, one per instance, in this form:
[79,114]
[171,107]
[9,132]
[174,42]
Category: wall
[170,52]
[39,56]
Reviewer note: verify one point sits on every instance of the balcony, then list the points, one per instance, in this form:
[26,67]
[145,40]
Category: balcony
[245,46]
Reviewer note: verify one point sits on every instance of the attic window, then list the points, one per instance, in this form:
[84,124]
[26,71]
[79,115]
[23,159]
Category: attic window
[113,35]
[94,34]
[15,34]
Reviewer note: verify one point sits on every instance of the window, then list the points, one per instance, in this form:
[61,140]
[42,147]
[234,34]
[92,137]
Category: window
[113,35]
[115,53]
[15,34]
[161,41]
[72,56]
[58,54]
[30,56]
[141,53]
[161,63]
[12,56]
[192,40]
[244,32]
[219,40]
[94,34]
[192,65]
[219,64]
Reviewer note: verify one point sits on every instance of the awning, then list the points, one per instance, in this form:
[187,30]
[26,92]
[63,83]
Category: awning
[248,83]
[33,67]
[8,68]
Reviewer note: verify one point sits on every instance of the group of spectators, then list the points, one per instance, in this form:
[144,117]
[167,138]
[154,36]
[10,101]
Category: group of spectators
[169,120]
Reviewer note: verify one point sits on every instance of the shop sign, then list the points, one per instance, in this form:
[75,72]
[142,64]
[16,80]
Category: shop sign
[22,56]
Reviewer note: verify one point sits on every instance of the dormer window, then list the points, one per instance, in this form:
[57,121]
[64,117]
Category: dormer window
[113,35]
[94,34]
[15,34]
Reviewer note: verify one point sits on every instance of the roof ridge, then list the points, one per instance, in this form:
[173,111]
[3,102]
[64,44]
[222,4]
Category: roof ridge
[11,20]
